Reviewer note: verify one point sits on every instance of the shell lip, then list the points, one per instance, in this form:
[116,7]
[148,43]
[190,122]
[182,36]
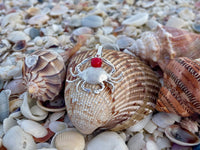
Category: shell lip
[48,106]
[181,136]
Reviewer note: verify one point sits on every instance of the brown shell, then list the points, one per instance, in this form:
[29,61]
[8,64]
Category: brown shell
[133,98]
[180,93]
[166,43]
[43,74]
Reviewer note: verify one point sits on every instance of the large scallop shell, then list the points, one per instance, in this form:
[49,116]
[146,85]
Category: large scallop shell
[44,73]
[180,93]
[132,100]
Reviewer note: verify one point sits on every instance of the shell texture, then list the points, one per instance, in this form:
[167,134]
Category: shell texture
[132,100]
[166,43]
[180,93]
[44,73]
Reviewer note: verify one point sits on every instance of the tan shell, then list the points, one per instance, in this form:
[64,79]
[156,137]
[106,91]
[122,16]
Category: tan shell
[166,43]
[180,93]
[44,73]
[132,100]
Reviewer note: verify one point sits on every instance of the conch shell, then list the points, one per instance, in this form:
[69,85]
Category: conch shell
[166,43]
[131,101]
[44,72]
[180,93]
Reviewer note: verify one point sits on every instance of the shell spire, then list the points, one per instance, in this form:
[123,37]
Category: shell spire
[133,98]
[180,93]
[44,71]
[166,43]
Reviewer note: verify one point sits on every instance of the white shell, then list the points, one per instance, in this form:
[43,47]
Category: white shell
[107,141]
[33,128]
[137,20]
[150,127]
[16,36]
[38,19]
[136,142]
[17,139]
[8,123]
[141,124]
[27,111]
[56,115]
[4,104]
[163,119]
[70,140]
[57,126]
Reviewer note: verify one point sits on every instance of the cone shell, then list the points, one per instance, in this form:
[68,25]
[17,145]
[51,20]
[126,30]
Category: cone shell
[180,93]
[132,100]
[44,73]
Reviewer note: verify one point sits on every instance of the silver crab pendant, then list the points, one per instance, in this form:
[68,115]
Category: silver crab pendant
[95,74]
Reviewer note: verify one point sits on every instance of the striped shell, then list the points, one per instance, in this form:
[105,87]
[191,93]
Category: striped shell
[132,100]
[43,74]
[180,93]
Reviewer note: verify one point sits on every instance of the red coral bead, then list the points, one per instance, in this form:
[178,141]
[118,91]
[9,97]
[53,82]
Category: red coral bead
[96,62]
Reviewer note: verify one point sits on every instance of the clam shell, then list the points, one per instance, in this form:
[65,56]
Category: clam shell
[33,128]
[43,73]
[71,140]
[118,110]
[181,136]
[17,139]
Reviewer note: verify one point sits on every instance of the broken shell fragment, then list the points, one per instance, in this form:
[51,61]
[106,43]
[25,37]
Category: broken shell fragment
[181,136]
[33,128]
[4,104]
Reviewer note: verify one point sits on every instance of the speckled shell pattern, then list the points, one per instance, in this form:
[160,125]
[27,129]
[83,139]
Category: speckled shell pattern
[48,74]
[133,98]
[180,93]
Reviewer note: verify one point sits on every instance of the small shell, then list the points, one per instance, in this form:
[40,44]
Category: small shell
[136,142]
[107,141]
[16,83]
[181,136]
[92,21]
[19,46]
[17,139]
[38,19]
[180,93]
[70,140]
[58,10]
[30,110]
[33,128]
[119,110]
[137,19]
[15,104]
[57,126]
[16,36]
[44,73]
[4,104]
[8,123]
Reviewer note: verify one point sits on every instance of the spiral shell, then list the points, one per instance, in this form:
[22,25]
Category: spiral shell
[132,100]
[180,93]
[43,74]
[166,43]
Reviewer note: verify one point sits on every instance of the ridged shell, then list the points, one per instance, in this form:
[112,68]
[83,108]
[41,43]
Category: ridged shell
[166,43]
[132,100]
[180,93]
[44,73]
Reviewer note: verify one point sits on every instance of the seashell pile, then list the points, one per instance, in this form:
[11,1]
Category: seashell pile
[89,74]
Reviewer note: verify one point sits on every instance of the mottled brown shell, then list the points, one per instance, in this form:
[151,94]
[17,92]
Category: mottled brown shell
[180,93]
[133,98]
[43,74]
